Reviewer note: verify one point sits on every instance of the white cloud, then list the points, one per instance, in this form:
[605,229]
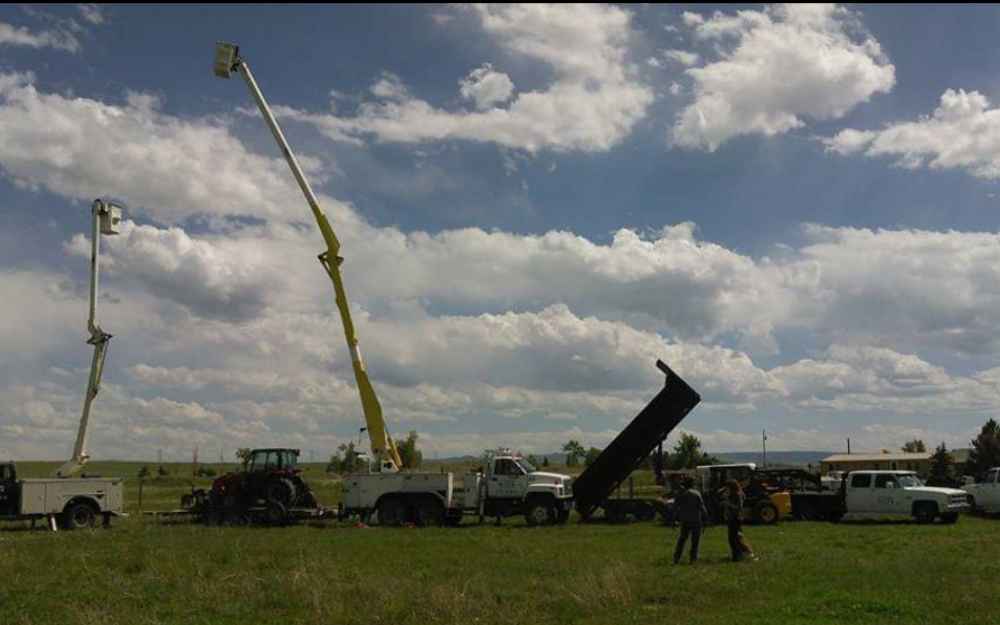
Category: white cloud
[683,57]
[593,103]
[92,13]
[11,35]
[775,67]
[963,132]
[486,87]
[161,165]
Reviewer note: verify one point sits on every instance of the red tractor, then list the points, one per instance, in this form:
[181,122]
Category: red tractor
[268,490]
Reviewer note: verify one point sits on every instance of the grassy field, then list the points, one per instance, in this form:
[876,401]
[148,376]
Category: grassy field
[142,571]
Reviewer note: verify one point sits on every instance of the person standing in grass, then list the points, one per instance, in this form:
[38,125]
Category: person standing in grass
[732,510]
[692,515]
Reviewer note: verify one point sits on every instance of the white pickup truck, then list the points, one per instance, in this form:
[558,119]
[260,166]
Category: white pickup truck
[984,494]
[902,493]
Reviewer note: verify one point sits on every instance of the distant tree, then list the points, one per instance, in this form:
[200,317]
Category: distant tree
[243,455]
[408,452]
[144,472]
[545,461]
[916,446]
[345,460]
[532,460]
[591,456]
[574,451]
[162,472]
[941,461]
[204,471]
[687,453]
[985,452]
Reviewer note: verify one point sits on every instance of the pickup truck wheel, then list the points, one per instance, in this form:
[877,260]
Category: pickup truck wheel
[765,513]
[924,513]
[79,516]
[539,513]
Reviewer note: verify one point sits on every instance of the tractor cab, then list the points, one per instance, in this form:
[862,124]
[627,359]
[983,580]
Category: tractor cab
[273,461]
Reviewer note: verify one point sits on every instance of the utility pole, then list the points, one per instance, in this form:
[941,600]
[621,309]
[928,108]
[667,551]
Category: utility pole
[848,446]
[763,434]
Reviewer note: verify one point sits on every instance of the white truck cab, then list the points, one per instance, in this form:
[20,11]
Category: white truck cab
[510,485]
[984,494]
[901,493]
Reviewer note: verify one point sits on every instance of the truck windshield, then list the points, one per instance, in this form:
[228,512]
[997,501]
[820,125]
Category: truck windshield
[908,481]
[525,465]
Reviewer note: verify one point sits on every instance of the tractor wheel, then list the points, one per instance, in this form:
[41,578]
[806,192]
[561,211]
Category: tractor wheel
[276,513]
[430,513]
[391,512]
[765,513]
[79,516]
[280,490]
[539,512]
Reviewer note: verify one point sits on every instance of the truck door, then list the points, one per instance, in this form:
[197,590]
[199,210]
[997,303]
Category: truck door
[889,496]
[508,480]
[859,493]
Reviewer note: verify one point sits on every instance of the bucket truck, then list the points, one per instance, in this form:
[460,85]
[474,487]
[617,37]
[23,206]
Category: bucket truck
[66,501]
[507,485]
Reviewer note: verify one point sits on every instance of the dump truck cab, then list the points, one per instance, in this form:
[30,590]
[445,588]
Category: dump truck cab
[510,485]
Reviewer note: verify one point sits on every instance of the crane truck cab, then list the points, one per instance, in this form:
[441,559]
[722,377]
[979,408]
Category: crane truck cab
[984,493]
[509,485]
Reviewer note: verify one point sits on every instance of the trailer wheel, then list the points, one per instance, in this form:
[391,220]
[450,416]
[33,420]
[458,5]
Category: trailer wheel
[539,513]
[276,513]
[765,513]
[78,516]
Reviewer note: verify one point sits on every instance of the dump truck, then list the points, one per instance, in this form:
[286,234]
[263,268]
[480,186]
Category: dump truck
[595,488]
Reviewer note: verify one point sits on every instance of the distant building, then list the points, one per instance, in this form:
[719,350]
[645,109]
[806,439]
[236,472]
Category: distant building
[896,461]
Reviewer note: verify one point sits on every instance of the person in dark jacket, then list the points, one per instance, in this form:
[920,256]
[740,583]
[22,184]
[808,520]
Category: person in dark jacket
[732,511]
[692,515]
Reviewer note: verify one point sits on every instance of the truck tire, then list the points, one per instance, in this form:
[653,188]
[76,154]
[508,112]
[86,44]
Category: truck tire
[949,518]
[765,513]
[79,515]
[539,512]
[924,512]
[391,512]
[429,513]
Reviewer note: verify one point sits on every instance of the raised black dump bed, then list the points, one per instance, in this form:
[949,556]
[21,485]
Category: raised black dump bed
[594,487]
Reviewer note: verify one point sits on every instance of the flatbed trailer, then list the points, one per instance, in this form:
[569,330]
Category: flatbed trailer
[596,487]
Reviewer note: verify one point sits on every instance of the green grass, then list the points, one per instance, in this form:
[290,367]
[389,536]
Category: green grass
[142,571]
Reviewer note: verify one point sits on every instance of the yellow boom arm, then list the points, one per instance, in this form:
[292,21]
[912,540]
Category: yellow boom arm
[383,448]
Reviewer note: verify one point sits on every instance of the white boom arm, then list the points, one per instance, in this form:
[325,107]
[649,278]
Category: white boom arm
[106,220]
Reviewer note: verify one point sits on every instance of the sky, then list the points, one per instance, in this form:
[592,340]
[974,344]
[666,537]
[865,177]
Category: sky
[795,207]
